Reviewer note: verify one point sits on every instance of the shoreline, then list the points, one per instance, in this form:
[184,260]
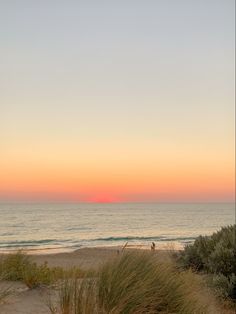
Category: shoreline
[67,250]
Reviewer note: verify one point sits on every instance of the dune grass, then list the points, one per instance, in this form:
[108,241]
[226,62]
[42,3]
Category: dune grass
[140,283]
[19,267]
[76,296]
[13,266]
[132,283]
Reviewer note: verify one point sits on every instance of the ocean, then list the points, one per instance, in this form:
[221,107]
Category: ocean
[51,228]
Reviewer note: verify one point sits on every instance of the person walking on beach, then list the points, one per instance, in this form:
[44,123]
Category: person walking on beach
[153,246]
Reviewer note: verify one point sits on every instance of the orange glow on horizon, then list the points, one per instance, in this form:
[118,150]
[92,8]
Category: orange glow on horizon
[160,176]
[170,188]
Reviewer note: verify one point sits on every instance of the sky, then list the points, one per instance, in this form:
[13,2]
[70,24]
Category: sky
[117,101]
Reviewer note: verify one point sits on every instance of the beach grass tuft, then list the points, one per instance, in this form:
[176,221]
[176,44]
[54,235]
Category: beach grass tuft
[13,266]
[132,283]
[140,283]
[19,267]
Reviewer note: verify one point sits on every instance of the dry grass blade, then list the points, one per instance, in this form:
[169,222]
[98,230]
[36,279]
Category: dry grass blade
[76,296]
[133,283]
[139,283]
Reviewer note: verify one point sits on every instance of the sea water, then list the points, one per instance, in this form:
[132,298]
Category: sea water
[64,227]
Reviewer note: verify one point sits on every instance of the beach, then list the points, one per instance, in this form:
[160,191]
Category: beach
[85,258]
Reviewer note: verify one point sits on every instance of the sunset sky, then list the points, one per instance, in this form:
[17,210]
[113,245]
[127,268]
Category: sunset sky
[115,101]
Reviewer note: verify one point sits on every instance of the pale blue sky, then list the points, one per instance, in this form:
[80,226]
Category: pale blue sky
[105,59]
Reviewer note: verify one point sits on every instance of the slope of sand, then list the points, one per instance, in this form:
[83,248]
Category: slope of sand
[23,300]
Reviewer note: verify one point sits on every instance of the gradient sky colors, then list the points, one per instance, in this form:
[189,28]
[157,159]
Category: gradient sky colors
[117,100]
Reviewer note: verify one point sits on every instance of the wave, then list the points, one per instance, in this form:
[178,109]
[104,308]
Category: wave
[80,242]
[153,238]
[27,243]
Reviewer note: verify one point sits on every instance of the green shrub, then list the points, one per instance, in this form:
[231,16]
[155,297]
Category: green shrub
[215,254]
[35,275]
[18,266]
[225,286]
[13,266]
[221,260]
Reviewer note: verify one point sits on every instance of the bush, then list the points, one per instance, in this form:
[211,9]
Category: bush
[215,254]
[225,286]
[222,260]
[19,267]
[35,275]
[13,266]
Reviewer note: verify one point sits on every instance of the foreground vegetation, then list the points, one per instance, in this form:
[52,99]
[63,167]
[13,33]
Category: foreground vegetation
[215,255]
[132,283]
[136,282]
[19,267]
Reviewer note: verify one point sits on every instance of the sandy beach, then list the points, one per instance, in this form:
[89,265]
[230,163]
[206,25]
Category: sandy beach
[86,258]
